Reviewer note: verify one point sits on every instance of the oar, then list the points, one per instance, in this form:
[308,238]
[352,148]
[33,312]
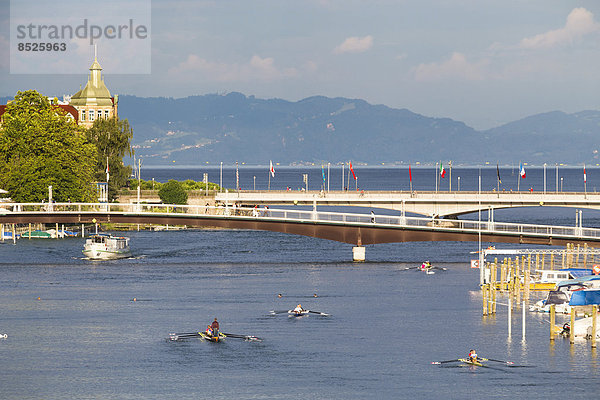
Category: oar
[444,362]
[319,313]
[245,337]
[500,361]
[273,312]
[184,333]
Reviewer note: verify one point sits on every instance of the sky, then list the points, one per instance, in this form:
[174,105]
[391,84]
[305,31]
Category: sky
[483,62]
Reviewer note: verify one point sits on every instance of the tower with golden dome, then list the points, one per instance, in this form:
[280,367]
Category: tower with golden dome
[94,101]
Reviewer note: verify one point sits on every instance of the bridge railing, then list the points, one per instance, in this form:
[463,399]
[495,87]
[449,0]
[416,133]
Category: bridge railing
[301,215]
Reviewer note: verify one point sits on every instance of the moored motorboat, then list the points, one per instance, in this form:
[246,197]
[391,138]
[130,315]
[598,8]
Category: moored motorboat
[103,246]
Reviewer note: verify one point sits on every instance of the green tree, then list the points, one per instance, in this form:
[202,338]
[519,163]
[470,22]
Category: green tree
[112,138]
[172,193]
[40,146]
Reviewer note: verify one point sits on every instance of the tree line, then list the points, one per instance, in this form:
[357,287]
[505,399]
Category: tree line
[41,146]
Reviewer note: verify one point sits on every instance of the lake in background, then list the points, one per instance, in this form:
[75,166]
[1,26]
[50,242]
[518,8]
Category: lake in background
[85,338]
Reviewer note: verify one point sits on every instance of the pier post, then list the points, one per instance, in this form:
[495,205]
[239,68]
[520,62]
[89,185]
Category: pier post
[1,232]
[552,320]
[57,236]
[14,235]
[29,231]
[509,316]
[594,326]
[572,330]
[552,261]
[484,299]
[585,251]
[82,230]
[358,253]
[527,283]
[523,319]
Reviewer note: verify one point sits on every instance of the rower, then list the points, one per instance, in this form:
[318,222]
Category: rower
[425,265]
[209,331]
[472,356]
[298,309]
[215,327]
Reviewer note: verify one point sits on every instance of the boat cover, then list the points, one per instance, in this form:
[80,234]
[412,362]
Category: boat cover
[577,272]
[557,297]
[585,297]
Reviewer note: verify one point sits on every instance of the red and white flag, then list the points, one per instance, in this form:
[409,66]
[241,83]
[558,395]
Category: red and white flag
[271,169]
[584,175]
[409,173]
[352,170]
[522,171]
[442,170]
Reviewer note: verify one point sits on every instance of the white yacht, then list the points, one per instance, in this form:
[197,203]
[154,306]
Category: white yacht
[103,246]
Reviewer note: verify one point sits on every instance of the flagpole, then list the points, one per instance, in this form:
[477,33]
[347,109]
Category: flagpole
[237,178]
[328,168]
[436,177]
[519,178]
[348,185]
[450,180]
[410,178]
[498,177]
[584,182]
[269,173]
[342,177]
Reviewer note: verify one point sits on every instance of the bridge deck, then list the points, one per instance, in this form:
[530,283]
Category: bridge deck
[353,228]
[423,203]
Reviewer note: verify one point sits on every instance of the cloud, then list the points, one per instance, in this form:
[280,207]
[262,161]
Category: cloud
[257,68]
[580,22]
[355,44]
[457,66]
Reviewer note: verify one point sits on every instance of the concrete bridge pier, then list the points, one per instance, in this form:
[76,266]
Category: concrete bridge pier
[358,253]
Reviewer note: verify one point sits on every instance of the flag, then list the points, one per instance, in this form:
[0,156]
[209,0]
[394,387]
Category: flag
[442,170]
[522,171]
[352,170]
[409,173]
[584,175]
[498,173]
[271,169]
[323,173]
[107,174]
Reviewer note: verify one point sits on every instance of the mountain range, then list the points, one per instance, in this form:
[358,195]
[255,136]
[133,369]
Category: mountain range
[234,127]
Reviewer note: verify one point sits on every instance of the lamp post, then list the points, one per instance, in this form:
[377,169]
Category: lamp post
[561,181]
[254,183]
[459,183]
[544,178]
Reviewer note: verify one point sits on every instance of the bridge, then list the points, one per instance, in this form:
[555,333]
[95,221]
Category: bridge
[438,204]
[353,228]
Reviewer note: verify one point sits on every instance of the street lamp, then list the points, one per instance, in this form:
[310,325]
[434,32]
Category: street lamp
[459,183]
[255,183]
[561,181]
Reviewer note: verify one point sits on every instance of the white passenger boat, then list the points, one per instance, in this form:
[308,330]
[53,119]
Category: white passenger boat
[103,246]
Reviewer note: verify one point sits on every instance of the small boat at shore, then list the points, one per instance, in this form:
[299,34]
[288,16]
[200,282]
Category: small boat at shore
[103,246]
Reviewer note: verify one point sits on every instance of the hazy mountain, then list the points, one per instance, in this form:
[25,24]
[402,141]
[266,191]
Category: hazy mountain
[234,127]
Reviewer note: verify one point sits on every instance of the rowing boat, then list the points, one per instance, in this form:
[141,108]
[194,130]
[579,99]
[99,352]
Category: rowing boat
[469,362]
[292,313]
[215,339]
